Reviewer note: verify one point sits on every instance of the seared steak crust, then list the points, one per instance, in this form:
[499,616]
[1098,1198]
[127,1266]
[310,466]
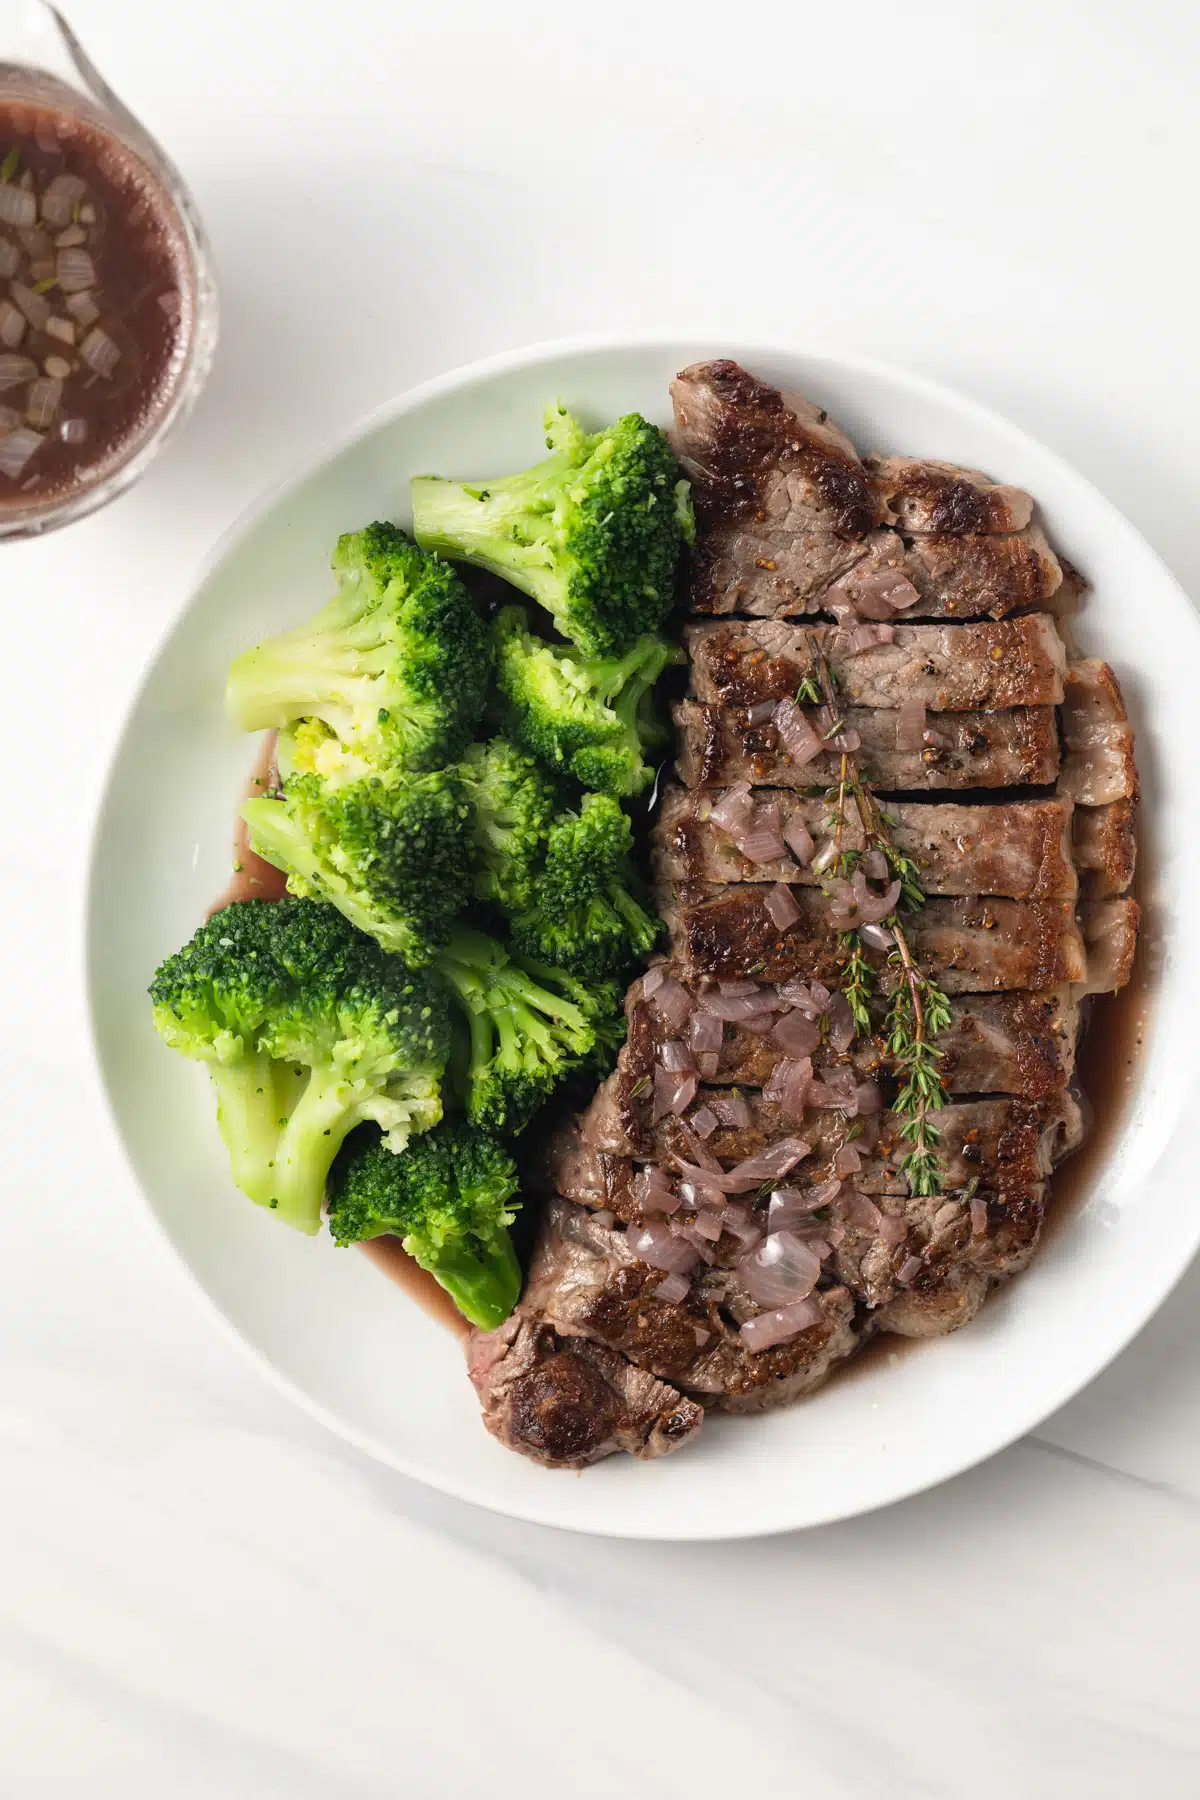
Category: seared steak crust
[1021,849]
[718,746]
[939,499]
[948,668]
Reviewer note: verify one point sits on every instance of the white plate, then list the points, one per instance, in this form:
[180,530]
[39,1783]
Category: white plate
[337,1335]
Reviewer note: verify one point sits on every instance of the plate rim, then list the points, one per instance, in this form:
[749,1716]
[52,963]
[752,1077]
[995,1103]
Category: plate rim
[1048,1399]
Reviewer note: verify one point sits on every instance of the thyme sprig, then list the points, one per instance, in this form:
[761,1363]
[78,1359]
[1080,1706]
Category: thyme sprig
[918,1009]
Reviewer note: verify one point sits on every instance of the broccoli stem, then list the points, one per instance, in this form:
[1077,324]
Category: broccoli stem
[305,673]
[249,1114]
[484,1281]
[487,527]
[275,836]
[321,1119]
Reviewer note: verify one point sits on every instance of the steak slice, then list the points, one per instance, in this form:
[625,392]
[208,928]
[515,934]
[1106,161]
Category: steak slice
[975,945]
[1022,1044]
[939,499]
[770,574]
[566,1402]
[765,464]
[1021,849]
[948,668]
[1018,1140]
[585,1281]
[1105,847]
[1110,933]
[1098,767]
[718,746]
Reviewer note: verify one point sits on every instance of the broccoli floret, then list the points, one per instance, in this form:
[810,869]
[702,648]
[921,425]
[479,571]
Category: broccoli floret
[392,851]
[513,802]
[594,533]
[308,1030]
[528,1029]
[602,1004]
[592,718]
[396,664]
[449,1198]
[585,916]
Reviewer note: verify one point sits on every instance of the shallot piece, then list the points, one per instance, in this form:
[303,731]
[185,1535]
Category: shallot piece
[43,401]
[770,1328]
[761,841]
[866,637]
[704,1159]
[798,839]
[893,1230]
[707,1064]
[704,1121]
[796,734]
[910,725]
[98,350]
[672,1003]
[735,1009]
[789,1207]
[705,1031]
[809,998]
[858,1210]
[731,989]
[796,1034]
[790,1086]
[852,902]
[734,810]
[10,259]
[17,207]
[780,906]
[782,1269]
[654,1191]
[883,593]
[875,864]
[672,1288]
[653,979]
[12,325]
[909,1269]
[842,1029]
[979,1216]
[878,936]
[742,1223]
[676,1055]
[76,270]
[836,1088]
[732,1110]
[847,1161]
[760,712]
[674,1092]
[661,1247]
[708,1223]
[868,1099]
[15,371]
[16,449]
[768,1165]
[35,306]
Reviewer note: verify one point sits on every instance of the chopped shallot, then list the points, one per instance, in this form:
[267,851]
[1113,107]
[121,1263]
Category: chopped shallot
[741,1222]
[707,1064]
[16,450]
[654,1191]
[858,1210]
[798,839]
[672,1289]
[768,1165]
[789,1207]
[736,1008]
[866,637]
[731,1109]
[76,270]
[98,350]
[770,1328]
[672,1003]
[704,1121]
[790,1086]
[842,1029]
[734,809]
[781,1270]
[796,1034]
[676,1055]
[760,712]
[674,1092]
[705,1031]
[796,733]
[780,906]
[908,1270]
[17,207]
[653,979]
[893,1230]
[878,936]
[853,903]
[15,371]
[847,1161]
[661,1247]
[979,1216]
[708,1223]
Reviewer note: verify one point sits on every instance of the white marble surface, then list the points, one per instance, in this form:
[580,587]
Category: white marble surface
[204,1594]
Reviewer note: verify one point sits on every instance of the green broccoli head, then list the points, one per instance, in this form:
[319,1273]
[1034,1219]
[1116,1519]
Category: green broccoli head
[308,1029]
[449,1198]
[512,801]
[391,852]
[584,916]
[602,1004]
[527,1030]
[592,718]
[395,665]
[594,533]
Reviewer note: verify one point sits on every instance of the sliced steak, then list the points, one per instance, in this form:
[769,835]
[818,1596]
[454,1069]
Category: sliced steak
[1021,1044]
[1021,849]
[971,945]
[566,1402]
[1110,933]
[948,668]
[770,574]
[1106,847]
[762,466]
[585,1281]
[1017,1139]
[718,746]
[1098,766]
[938,499]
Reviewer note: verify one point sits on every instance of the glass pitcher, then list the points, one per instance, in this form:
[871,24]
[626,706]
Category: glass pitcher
[108,307]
